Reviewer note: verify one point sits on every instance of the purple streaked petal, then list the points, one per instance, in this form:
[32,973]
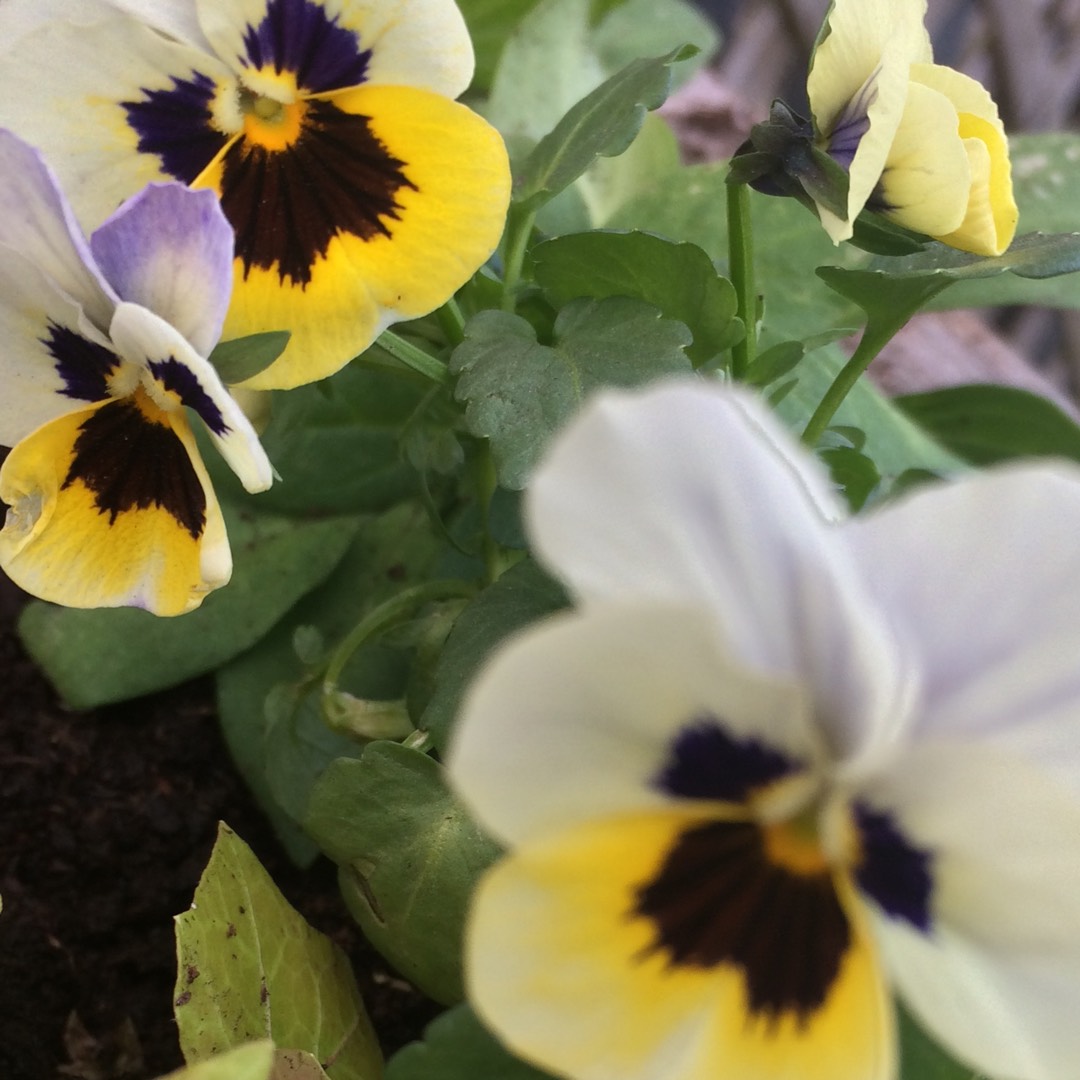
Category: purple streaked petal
[176,125]
[170,250]
[298,36]
[177,376]
[37,222]
[707,762]
[892,870]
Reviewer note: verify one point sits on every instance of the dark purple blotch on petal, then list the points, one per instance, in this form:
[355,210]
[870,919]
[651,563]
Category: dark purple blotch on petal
[177,126]
[892,870]
[707,762]
[297,36]
[84,365]
[719,899]
[285,206]
[181,380]
[130,462]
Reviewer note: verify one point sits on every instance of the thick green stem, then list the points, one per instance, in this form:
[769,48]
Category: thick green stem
[413,357]
[875,337]
[452,322]
[519,228]
[741,269]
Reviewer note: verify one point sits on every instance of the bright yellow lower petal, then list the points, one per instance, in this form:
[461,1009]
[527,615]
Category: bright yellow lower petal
[562,970]
[63,543]
[927,177]
[448,219]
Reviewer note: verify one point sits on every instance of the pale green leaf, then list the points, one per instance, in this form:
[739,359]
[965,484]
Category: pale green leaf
[249,967]
[490,23]
[101,656]
[241,358]
[409,857]
[518,393]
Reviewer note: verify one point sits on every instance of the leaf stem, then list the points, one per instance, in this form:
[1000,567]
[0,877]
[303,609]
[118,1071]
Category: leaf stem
[878,333]
[519,226]
[741,269]
[452,322]
[414,358]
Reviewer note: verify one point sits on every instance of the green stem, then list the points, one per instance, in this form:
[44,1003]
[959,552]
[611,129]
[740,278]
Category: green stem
[741,269]
[875,337]
[487,482]
[413,357]
[384,616]
[452,322]
[519,228]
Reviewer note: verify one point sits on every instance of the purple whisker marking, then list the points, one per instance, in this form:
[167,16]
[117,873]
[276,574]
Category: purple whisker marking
[84,365]
[892,870]
[181,380]
[177,125]
[707,762]
[297,36]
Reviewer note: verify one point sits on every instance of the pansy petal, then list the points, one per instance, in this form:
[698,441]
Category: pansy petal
[173,17]
[52,360]
[967,95]
[177,376]
[111,506]
[109,128]
[37,222]
[994,976]
[563,966]
[393,200]
[333,44]
[170,249]
[927,177]
[998,647]
[602,711]
[693,493]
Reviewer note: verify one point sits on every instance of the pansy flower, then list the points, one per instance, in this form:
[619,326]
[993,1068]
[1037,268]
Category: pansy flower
[922,143]
[777,766]
[360,192]
[104,346]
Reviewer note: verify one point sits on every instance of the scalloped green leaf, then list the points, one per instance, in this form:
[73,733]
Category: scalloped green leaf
[456,1046]
[102,656]
[518,393]
[408,855]
[249,967]
[678,278]
[603,124]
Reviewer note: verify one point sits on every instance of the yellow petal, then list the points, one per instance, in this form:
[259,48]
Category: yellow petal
[927,177]
[967,95]
[111,506]
[439,182]
[563,968]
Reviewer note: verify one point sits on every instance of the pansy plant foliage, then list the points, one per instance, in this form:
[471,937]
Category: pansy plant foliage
[360,192]
[105,341]
[778,765]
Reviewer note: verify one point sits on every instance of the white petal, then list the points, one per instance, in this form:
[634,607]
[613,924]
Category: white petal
[177,376]
[37,222]
[170,249]
[173,17]
[575,718]
[693,493]
[982,577]
[52,362]
[421,43]
[997,978]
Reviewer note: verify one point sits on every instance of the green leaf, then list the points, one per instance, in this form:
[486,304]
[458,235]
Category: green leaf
[922,1059]
[457,1047]
[518,393]
[603,123]
[388,553]
[986,424]
[409,859]
[252,1061]
[490,24]
[678,278]
[97,657]
[249,967]
[521,596]
[244,357]
[855,474]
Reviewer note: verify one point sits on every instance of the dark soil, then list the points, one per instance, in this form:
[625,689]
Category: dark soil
[106,821]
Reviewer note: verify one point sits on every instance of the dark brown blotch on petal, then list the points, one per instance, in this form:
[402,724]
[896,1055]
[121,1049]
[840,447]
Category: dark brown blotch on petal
[131,462]
[718,899]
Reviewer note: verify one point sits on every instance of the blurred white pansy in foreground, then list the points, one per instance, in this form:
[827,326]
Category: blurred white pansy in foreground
[778,766]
